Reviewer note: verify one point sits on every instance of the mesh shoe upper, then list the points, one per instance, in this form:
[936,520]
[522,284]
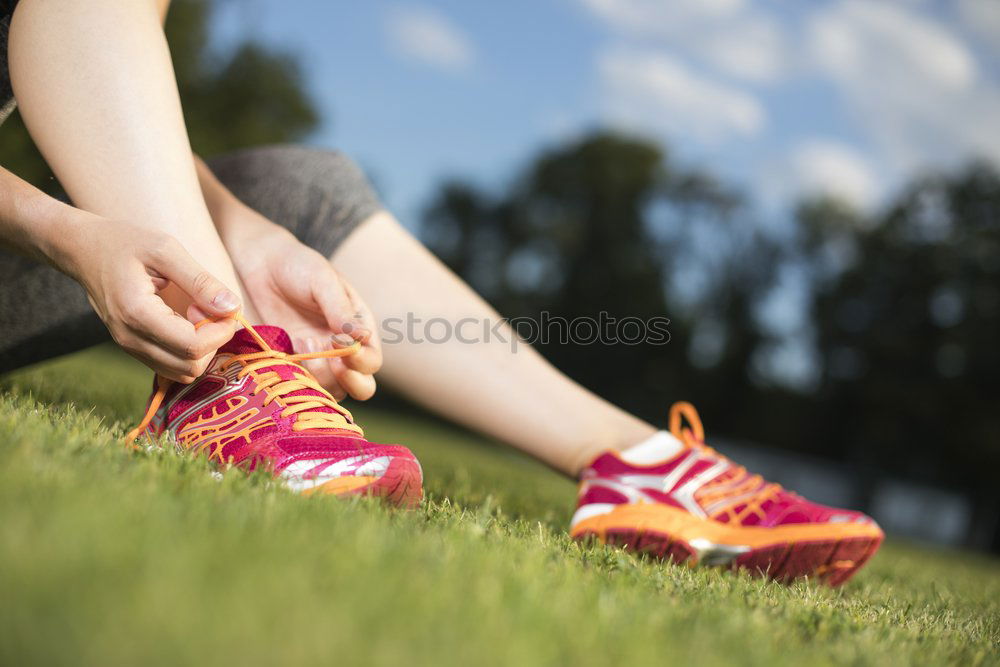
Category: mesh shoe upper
[249,409]
[704,483]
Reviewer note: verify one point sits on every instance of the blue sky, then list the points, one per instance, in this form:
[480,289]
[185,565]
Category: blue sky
[846,96]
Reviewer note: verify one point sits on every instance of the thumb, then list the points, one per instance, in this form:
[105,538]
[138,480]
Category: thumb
[208,293]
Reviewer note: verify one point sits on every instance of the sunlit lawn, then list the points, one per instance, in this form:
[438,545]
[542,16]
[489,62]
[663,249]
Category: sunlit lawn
[111,557]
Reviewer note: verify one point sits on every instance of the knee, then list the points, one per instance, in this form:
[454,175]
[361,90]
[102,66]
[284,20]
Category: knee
[329,170]
[319,195]
[265,176]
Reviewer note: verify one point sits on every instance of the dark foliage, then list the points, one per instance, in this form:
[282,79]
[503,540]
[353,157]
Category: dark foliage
[908,322]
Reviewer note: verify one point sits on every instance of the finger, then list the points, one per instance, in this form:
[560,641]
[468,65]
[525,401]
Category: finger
[334,367]
[158,323]
[320,371]
[196,315]
[318,367]
[323,372]
[363,315]
[162,362]
[171,260]
[215,334]
[360,386]
[368,358]
[216,329]
[339,309]
[327,372]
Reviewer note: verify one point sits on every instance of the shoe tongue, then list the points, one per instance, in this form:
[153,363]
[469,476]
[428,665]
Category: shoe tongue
[659,447]
[244,342]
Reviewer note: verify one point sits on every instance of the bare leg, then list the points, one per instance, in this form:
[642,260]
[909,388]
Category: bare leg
[96,89]
[517,397]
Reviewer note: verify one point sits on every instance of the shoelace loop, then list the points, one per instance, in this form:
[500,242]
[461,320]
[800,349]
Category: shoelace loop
[271,382]
[694,437]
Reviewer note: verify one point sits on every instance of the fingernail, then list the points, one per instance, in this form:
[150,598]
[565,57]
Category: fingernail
[340,340]
[226,301]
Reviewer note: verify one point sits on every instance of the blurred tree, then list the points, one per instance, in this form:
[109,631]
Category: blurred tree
[907,315]
[904,305]
[608,224]
[245,96]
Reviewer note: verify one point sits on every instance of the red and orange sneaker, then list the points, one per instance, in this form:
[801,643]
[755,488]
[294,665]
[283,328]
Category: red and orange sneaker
[676,498]
[256,406]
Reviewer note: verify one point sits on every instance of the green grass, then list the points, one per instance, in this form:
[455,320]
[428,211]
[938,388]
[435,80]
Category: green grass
[112,557]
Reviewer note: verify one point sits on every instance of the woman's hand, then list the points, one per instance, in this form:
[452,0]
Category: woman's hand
[296,288]
[128,271]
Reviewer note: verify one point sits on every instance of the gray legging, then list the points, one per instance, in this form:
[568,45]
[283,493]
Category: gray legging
[320,196]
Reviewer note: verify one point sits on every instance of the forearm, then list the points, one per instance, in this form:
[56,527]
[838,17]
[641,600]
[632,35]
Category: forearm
[36,225]
[95,86]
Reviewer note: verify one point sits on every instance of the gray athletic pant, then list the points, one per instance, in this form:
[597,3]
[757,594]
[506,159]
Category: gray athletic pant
[320,196]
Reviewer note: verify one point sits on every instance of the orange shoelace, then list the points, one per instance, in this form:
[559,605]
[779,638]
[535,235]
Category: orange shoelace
[694,437]
[271,383]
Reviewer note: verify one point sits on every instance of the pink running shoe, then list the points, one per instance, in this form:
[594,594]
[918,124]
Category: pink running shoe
[257,406]
[685,502]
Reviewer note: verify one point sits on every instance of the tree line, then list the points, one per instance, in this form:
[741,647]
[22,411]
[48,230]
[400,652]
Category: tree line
[901,307]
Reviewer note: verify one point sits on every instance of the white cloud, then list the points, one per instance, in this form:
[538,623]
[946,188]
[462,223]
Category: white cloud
[982,18]
[981,15]
[817,166]
[656,15]
[849,36]
[825,167]
[424,35]
[648,90]
[911,83]
[918,84]
[732,36]
[756,51]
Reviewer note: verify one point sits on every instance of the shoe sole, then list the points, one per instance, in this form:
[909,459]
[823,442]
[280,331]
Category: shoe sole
[400,485]
[830,553]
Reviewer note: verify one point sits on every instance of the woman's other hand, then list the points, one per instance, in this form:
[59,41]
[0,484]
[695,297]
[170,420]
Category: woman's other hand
[296,288]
